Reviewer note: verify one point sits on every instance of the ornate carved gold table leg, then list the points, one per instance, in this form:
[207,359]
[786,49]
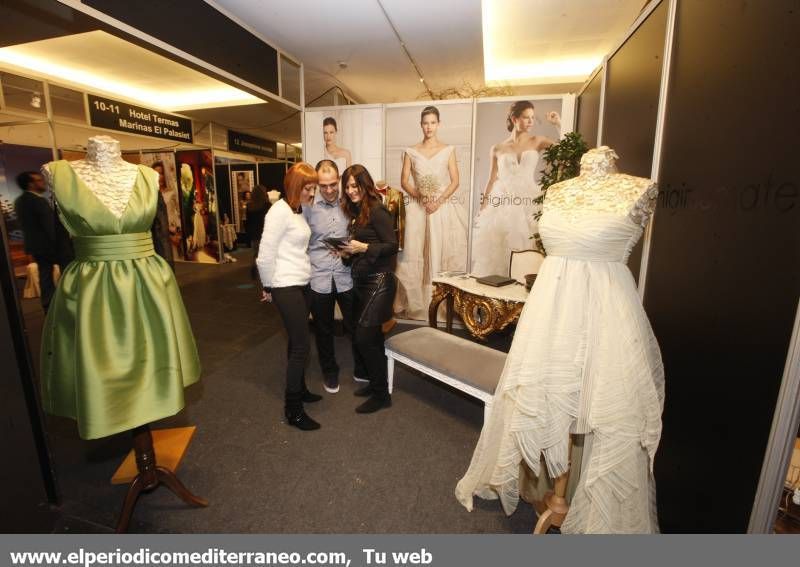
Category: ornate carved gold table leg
[440,292]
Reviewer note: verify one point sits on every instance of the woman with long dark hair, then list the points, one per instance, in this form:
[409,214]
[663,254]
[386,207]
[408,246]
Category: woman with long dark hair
[285,270]
[371,252]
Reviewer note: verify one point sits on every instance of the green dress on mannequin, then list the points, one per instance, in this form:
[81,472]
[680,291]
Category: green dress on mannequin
[117,348]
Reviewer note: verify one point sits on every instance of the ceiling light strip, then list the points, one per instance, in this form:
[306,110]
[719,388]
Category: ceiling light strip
[405,50]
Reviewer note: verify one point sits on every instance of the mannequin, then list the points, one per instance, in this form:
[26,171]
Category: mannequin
[600,188]
[274,195]
[584,361]
[105,173]
[117,347]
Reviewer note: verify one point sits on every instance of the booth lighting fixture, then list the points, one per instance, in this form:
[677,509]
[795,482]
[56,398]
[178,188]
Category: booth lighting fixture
[36,100]
[194,98]
[504,65]
[544,72]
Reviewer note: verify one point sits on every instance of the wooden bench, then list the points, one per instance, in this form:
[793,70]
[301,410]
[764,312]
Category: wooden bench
[473,368]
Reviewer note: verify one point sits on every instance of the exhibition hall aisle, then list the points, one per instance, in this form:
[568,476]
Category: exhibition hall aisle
[390,472]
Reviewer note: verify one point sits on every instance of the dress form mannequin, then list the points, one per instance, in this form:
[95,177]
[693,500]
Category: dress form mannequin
[105,173]
[601,189]
[118,297]
[584,361]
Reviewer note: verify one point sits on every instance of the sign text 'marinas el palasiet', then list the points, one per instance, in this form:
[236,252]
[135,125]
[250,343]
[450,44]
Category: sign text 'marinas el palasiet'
[124,117]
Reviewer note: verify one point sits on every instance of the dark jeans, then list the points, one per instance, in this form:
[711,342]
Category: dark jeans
[322,308]
[374,296]
[46,283]
[292,304]
[255,243]
[369,343]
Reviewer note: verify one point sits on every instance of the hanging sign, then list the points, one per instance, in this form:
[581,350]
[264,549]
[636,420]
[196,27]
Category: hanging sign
[247,144]
[124,117]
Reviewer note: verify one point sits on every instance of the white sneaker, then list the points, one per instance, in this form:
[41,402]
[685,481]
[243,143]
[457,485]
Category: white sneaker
[362,380]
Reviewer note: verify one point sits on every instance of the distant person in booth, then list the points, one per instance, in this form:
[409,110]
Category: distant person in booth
[162,236]
[331,282]
[257,208]
[285,271]
[45,238]
[371,252]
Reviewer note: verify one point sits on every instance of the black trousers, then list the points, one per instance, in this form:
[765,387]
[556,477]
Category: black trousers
[374,297]
[47,285]
[292,304]
[322,309]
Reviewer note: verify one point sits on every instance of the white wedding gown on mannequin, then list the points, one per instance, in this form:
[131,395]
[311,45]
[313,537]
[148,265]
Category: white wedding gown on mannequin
[433,243]
[584,360]
[507,222]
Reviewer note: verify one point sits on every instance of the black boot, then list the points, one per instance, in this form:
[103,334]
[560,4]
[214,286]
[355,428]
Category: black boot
[363,392]
[297,417]
[310,398]
[377,401]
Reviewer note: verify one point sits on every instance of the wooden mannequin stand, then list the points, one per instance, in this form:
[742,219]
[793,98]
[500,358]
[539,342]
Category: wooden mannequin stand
[555,503]
[151,475]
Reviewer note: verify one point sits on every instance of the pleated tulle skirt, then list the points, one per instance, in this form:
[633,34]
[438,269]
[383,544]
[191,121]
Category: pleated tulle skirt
[584,360]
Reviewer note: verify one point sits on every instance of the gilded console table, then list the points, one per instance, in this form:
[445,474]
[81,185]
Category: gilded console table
[483,308]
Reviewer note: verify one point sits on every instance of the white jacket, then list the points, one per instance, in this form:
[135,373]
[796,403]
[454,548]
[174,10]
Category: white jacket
[283,254]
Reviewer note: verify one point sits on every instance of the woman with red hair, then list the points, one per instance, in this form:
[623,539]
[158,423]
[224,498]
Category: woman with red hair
[285,270]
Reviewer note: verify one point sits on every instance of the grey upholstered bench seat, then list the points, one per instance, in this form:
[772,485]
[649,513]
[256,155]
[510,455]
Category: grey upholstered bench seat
[467,366]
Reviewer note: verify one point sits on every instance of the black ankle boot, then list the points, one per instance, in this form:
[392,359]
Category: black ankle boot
[364,391]
[310,398]
[374,403]
[301,420]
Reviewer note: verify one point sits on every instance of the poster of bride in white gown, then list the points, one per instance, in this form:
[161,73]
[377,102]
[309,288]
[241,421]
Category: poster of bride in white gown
[345,135]
[428,158]
[511,135]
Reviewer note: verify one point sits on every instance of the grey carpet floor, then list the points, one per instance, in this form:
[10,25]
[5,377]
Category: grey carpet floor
[390,472]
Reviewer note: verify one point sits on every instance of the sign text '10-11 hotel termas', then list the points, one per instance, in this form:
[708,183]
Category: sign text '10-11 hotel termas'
[124,117]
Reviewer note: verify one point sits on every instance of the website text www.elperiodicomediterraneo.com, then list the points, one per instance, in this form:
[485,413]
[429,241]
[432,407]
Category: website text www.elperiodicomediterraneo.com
[215,557]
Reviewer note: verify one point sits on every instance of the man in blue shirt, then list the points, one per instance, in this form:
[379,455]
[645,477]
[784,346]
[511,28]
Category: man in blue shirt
[331,282]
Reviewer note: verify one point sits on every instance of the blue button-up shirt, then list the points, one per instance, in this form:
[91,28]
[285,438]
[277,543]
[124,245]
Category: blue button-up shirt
[327,220]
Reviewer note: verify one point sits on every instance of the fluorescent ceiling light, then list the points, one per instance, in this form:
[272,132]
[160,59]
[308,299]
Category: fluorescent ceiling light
[529,42]
[552,71]
[99,62]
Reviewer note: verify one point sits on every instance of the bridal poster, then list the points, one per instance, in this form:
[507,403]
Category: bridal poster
[346,135]
[428,159]
[511,135]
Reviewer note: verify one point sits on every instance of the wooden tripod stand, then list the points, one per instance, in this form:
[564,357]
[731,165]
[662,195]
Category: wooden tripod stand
[151,475]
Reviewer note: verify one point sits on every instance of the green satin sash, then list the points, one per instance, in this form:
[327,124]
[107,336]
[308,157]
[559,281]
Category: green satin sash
[113,247]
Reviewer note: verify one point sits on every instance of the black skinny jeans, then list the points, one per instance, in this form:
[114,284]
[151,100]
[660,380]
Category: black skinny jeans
[374,296]
[292,304]
[369,342]
[322,308]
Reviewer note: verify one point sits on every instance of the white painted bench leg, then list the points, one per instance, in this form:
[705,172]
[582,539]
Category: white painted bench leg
[487,411]
[390,371]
